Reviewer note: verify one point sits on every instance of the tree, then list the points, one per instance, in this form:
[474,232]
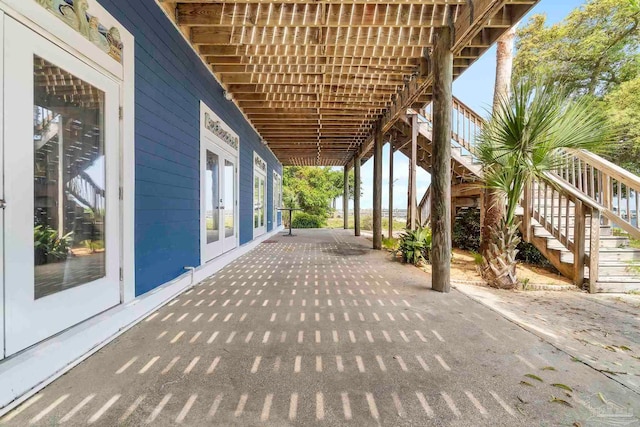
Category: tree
[622,106]
[493,203]
[520,143]
[313,189]
[593,51]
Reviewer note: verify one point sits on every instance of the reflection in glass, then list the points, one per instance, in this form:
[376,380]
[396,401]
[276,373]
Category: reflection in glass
[229,198]
[256,202]
[69,180]
[262,194]
[212,198]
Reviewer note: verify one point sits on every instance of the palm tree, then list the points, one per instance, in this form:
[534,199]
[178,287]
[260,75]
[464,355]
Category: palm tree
[521,143]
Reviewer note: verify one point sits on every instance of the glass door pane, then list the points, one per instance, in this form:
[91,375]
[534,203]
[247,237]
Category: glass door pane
[262,201]
[69,180]
[212,197]
[256,202]
[229,198]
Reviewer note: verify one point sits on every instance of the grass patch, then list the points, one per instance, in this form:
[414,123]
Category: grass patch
[366,223]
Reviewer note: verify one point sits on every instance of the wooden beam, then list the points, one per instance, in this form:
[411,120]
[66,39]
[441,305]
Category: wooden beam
[345,199]
[391,151]
[377,189]
[412,214]
[442,61]
[356,196]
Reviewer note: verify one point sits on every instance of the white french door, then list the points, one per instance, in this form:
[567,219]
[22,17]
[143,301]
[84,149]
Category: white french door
[259,202]
[219,209]
[61,170]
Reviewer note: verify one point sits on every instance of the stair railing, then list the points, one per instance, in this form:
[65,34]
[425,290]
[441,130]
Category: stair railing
[424,208]
[611,186]
[564,212]
[466,124]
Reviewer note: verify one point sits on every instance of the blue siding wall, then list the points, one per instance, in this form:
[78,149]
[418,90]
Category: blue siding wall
[170,83]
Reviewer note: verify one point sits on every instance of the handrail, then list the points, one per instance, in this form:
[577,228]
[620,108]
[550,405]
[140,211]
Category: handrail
[601,181]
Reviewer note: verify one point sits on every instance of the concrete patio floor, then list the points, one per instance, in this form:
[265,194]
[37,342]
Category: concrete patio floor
[319,330]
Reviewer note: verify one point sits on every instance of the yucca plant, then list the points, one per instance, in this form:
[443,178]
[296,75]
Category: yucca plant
[415,245]
[522,142]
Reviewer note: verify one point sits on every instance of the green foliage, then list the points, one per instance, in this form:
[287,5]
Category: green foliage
[466,231]
[477,258]
[390,243]
[529,254]
[305,220]
[591,51]
[415,246]
[312,189]
[594,53]
[527,132]
[93,245]
[622,106]
[49,247]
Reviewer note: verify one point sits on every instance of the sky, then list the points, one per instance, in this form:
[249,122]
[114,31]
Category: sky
[475,88]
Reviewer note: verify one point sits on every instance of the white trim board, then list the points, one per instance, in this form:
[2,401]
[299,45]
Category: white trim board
[24,375]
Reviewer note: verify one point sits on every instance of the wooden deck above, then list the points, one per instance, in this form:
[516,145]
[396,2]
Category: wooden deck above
[315,77]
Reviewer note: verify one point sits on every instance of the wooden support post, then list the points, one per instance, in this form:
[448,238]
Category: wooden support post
[594,251]
[412,213]
[442,61]
[527,212]
[345,199]
[356,196]
[377,188]
[579,243]
[393,141]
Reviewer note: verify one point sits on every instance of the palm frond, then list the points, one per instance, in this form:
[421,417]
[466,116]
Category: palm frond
[529,132]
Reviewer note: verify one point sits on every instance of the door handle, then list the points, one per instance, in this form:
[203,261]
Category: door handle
[3,204]
[222,207]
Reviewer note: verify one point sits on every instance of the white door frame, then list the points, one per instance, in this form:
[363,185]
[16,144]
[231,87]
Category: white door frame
[42,21]
[219,138]
[28,320]
[259,169]
[2,223]
[276,197]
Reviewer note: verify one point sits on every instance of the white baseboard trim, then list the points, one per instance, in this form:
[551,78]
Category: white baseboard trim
[28,372]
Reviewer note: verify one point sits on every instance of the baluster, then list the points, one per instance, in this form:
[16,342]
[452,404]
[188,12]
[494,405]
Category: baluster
[578,244]
[593,183]
[628,204]
[619,199]
[637,210]
[607,191]
[546,220]
[566,225]
[594,250]
[573,171]
[553,198]
[537,206]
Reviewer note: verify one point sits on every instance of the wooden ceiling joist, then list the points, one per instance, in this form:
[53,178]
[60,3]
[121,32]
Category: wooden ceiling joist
[315,77]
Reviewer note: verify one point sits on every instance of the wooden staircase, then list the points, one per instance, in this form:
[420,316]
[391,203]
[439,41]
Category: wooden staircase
[582,216]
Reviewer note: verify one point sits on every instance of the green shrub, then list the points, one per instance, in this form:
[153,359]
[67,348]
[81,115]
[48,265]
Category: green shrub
[305,220]
[531,255]
[415,246]
[48,246]
[390,243]
[366,223]
[466,230]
